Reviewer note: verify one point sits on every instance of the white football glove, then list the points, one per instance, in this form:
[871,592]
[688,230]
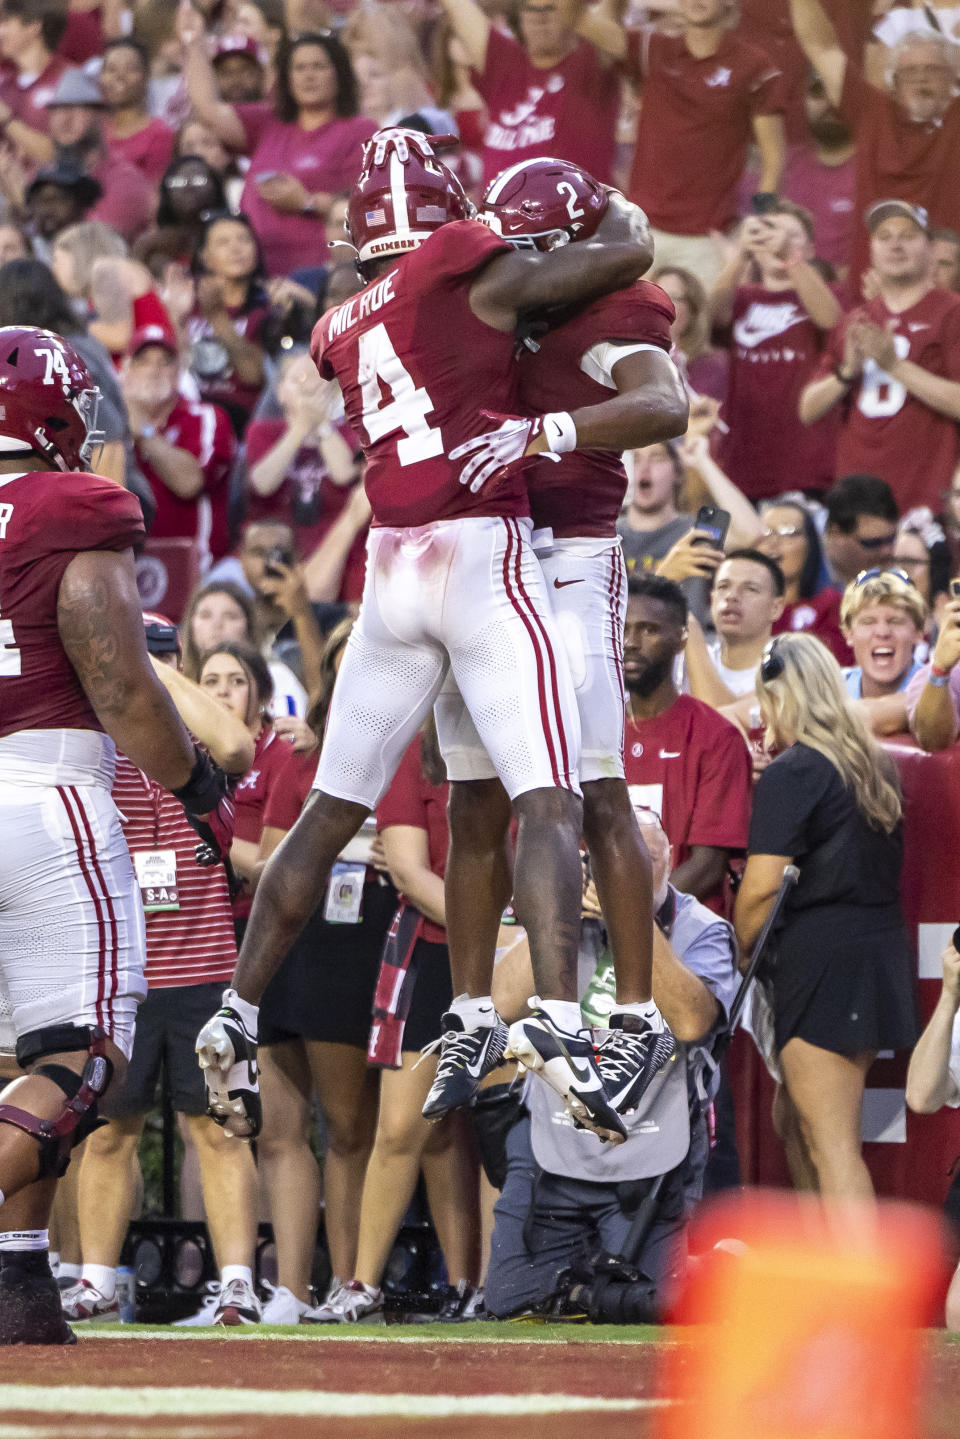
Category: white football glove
[500,451]
[401,142]
[227,1053]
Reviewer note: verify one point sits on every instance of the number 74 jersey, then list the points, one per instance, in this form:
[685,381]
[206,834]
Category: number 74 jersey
[416,367]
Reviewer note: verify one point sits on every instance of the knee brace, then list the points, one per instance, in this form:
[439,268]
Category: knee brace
[58,1136]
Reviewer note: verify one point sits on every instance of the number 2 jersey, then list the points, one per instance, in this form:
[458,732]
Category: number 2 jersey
[583,494]
[416,367]
[885,430]
[46,518]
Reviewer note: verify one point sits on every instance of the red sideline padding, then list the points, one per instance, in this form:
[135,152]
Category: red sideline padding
[914,1157]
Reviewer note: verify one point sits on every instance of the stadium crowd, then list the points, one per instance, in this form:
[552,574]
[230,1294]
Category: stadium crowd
[173,188]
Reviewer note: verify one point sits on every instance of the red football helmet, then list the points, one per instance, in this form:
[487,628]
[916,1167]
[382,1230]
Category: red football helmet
[397,203]
[540,204]
[48,400]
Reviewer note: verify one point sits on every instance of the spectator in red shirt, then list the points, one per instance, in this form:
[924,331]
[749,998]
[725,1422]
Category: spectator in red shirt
[893,366]
[132,134]
[230,308]
[302,470]
[908,134]
[780,310]
[184,451]
[303,149]
[30,33]
[683,760]
[547,93]
[707,94]
[790,537]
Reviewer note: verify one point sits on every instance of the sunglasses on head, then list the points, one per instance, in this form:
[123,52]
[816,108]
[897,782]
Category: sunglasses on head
[865,576]
[771,665]
[878,542]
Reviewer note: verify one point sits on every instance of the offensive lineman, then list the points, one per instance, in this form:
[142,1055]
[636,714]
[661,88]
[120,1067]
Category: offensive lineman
[452,584]
[75,682]
[613,356]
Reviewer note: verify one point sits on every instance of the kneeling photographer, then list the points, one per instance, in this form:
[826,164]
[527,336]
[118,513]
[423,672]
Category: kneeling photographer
[572,1209]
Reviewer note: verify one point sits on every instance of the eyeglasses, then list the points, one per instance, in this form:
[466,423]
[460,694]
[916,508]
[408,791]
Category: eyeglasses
[786,532]
[187,182]
[771,665]
[878,542]
[865,576]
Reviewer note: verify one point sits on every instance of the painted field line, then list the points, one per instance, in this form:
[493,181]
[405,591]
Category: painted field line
[361,1333]
[155,1402]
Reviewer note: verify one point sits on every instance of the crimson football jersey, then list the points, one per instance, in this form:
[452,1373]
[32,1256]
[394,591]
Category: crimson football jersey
[583,494]
[46,518]
[416,366]
[885,430]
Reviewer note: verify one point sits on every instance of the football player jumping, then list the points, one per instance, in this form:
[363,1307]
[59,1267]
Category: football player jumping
[452,585]
[75,684]
[611,357]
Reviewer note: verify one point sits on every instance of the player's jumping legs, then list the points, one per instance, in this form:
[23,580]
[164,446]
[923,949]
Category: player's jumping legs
[478,882]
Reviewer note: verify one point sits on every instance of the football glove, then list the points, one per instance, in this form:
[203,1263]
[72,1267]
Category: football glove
[400,142]
[209,809]
[227,1053]
[501,451]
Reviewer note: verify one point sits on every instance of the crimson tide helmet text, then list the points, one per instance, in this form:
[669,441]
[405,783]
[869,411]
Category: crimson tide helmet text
[397,203]
[540,204]
[48,400]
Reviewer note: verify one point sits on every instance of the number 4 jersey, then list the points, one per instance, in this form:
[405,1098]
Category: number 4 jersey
[46,518]
[416,367]
[886,431]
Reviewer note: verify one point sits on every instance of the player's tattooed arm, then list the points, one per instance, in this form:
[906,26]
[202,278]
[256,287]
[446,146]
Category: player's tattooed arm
[512,284]
[101,630]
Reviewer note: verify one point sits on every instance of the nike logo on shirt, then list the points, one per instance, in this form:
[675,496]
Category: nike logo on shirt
[669,754]
[562,584]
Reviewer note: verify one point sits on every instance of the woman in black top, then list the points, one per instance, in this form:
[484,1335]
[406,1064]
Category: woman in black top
[842,985]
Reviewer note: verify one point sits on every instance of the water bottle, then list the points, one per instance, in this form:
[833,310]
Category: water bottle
[127,1294]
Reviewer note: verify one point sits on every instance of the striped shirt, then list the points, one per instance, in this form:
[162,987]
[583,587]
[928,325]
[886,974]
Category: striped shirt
[193,944]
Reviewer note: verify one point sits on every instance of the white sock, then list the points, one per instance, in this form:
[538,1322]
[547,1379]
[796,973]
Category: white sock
[565,1014]
[475,1013]
[647,1009]
[24,1240]
[229,1272]
[69,1271]
[102,1277]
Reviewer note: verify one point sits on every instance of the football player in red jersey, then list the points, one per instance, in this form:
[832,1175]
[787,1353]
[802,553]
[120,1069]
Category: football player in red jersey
[75,683]
[452,585]
[611,358]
